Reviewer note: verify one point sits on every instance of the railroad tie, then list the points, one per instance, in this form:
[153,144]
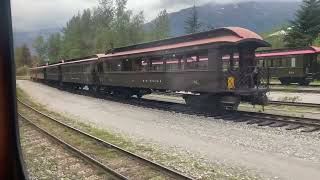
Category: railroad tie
[255,121]
[293,127]
[266,123]
[310,129]
[278,124]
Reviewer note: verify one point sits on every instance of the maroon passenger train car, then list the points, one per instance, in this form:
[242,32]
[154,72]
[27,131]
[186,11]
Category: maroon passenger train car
[139,69]
[291,65]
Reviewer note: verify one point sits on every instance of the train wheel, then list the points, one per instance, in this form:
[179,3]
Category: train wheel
[139,96]
[304,83]
[284,82]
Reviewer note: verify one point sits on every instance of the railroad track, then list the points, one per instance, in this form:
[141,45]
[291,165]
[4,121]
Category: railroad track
[289,122]
[261,119]
[299,104]
[312,91]
[30,128]
[113,159]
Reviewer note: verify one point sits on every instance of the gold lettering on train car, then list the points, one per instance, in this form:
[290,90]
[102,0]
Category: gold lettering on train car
[231,84]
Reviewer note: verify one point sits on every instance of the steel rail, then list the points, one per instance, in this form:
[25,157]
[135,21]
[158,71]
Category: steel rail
[282,118]
[78,152]
[147,161]
[300,104]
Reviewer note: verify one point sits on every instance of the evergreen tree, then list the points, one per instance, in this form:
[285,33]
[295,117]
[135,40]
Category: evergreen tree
[160,28]
[97,30]
[317,41]
[103,17]
[23,56]
[40,47]
[121,24]
[192,24]
[54,47]
[136,29]
[72,38]
[306,26]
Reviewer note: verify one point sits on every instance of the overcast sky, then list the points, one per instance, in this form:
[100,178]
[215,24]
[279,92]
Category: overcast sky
[29,15]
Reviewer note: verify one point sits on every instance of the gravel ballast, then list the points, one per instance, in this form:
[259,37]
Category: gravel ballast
[268,152]
[45,159]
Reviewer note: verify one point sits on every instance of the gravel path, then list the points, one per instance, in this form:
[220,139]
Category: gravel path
[300,97]
[269,152]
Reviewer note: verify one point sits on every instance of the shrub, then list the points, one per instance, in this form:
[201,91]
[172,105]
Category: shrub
[22,71]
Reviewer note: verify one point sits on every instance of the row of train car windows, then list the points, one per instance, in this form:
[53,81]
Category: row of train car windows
[279,62]
[154,65]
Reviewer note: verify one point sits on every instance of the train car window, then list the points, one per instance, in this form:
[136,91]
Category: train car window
[87,68]
[127,65]
[156,64]
[293,62]
[137,65]
[194,63]
[173,64]
[115,65]
[100,67]
[106,66]
[286,62]
[226,62]
[280,62]
[203,63]
[260,63]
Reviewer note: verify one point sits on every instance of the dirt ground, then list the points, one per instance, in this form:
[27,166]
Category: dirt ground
[298,97]
[273,153]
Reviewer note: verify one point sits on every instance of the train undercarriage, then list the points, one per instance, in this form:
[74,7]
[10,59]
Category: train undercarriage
[213,102]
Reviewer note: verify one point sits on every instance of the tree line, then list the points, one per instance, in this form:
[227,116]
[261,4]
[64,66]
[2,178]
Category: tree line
[96,30]
[104,27]
[111,25]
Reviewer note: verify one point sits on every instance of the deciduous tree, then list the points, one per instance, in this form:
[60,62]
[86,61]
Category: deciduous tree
[40,47]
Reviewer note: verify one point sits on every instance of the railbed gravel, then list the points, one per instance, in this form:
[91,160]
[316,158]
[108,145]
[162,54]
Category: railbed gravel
[46,159]
[237,150]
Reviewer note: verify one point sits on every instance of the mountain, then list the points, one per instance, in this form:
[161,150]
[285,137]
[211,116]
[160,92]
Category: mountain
[256,16]
[27,37]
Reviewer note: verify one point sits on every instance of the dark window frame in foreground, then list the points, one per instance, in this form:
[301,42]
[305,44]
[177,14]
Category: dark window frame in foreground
[11,163]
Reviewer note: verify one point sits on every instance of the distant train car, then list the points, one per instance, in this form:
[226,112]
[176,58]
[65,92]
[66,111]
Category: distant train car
[299,65]
[201,64]
[37,73]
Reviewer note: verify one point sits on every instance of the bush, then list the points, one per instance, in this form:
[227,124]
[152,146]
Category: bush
[22,71]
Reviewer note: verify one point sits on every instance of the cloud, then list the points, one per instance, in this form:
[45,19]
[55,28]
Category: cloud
[29,15]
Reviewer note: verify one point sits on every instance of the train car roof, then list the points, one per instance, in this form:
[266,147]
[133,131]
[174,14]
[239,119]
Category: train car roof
[71,61]
[289,51]
[225,35]
[229,35]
